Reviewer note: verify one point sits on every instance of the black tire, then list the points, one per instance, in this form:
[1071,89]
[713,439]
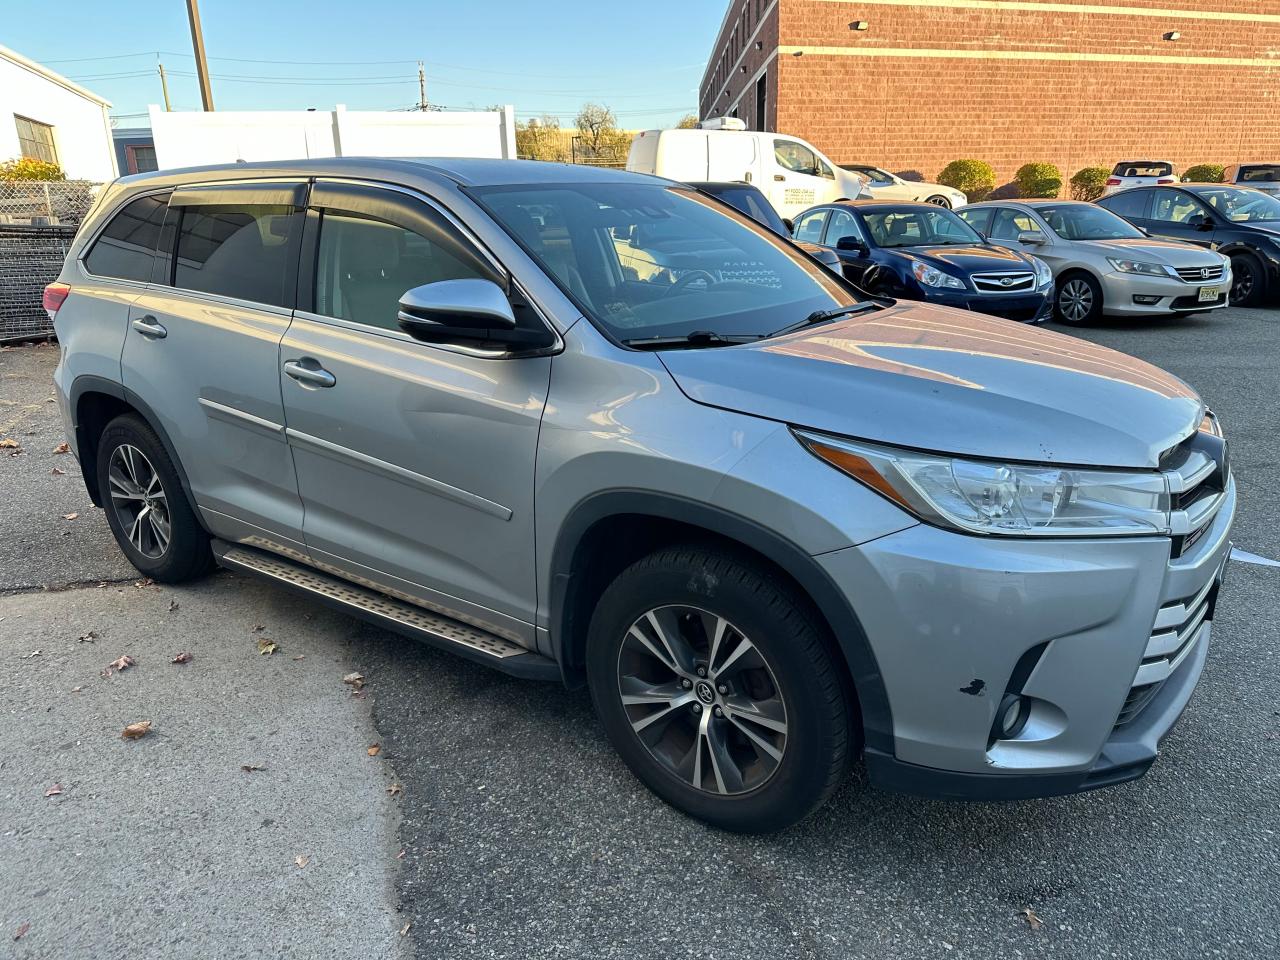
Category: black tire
[1077,299]
[185,552]
[939,201]
[1248,281]
[819,736]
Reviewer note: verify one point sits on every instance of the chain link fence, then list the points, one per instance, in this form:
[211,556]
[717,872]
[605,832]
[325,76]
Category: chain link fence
[38,220]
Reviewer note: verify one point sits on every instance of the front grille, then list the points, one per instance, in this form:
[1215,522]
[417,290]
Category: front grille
[1198,471]
[1200,274]
[1004,282]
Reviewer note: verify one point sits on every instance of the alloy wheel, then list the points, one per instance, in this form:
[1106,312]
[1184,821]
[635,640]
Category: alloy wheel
[1242,281]
[1075,301]
[939,202]
[139,501]
[702,699]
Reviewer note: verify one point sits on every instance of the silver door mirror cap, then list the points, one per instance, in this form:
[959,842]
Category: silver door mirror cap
[1031,237]
[471,304]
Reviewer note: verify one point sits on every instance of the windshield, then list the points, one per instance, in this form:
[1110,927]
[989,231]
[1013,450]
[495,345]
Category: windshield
[1241,206]
[645,260]
[1259,173]
[913,227]
[752,202]
[1087,222]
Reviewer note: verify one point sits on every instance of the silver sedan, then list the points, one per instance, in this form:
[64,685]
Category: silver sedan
[1103,265]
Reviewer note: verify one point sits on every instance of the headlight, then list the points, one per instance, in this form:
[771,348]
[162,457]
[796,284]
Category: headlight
[1005,499]
[933,277]
[1044,275]
[1137,266]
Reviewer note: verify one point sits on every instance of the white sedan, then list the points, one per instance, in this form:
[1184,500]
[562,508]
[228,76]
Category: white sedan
[883,185]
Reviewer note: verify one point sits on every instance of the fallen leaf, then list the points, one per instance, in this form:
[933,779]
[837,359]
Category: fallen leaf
[57,472]
[144,583]
[62,448]
[355,679]
[54,790]
[374,750]
[1029,915]
[76,689]
[395,790]
[258,628]
[28,656]
[70,516]
[251,767]
[181,658]
[267,647]
[22,931]
[173,605]
[10,444]
[120,665]
[301,861]
[136,731]
[405,928]
[88,636]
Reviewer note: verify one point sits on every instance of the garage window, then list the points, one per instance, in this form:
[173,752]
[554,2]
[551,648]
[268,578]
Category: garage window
[35,139]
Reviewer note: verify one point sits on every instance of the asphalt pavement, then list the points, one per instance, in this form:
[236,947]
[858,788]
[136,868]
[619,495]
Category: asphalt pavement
[523,835]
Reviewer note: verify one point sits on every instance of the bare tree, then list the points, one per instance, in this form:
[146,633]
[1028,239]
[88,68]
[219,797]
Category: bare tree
[597,130]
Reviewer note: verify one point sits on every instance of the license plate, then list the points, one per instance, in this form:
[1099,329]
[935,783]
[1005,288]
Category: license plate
[1208,294]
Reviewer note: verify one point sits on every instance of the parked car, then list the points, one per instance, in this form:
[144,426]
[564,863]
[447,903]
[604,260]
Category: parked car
[1103,265]
[1241,224]
[883,185]
[793,174]
[1139,173]
[770,524]
[919,251]
[746,199]
[1259,176]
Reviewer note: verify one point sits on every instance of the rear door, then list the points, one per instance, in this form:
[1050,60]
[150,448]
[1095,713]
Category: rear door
[415,461]
[202,351]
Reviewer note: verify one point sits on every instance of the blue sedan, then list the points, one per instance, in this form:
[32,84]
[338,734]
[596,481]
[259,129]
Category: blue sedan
[919,251]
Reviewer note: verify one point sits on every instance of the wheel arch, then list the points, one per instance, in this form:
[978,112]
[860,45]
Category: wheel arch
[95,402]
[586,557]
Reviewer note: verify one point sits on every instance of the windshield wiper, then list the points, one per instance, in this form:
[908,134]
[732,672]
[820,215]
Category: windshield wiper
[699,338]
[822,316]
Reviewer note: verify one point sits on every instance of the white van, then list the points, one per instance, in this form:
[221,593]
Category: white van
[791,173]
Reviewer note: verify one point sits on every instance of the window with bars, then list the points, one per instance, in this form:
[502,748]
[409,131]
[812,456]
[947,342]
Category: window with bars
[35,139]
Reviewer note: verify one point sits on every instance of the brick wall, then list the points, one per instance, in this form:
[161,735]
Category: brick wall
[914,111]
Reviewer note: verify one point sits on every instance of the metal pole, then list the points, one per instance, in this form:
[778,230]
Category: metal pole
[202,68]
[422,87]
[164,86]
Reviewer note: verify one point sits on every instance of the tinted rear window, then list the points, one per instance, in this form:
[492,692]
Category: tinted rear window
[1259,173]
[1128,203]
[241,251]
[127,247]
[1142,168]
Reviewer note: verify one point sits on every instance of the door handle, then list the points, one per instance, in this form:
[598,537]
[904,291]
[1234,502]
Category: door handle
[150,328]
[309,372]
[780,178]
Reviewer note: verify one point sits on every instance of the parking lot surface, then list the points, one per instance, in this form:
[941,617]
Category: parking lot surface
[523,835]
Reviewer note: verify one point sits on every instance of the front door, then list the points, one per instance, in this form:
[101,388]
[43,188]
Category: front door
[854,262]
[799,178]
[1177,215]
[415,462]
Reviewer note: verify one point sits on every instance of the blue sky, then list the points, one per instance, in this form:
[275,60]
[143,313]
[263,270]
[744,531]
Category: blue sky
[545,56]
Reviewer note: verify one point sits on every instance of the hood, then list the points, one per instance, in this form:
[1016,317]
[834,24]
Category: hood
[935,378]
[1173,252]
[968,259]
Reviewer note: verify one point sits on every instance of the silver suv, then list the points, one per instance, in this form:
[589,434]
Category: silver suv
[772,524]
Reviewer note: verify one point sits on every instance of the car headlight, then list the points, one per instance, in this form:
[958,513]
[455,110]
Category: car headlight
[1003,499]
[1044,275]
[1137,266]
[933,277]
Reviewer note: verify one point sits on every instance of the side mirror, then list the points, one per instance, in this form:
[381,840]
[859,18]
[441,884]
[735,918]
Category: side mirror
[851,244]
[1205,223]
[451,310]
[789,224]
[1031,238]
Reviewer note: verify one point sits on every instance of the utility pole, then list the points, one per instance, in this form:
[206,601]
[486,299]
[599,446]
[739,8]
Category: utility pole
[164,86]
[422,87]
[202,68]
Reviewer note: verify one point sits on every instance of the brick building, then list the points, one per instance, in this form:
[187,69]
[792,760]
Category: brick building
[914,84]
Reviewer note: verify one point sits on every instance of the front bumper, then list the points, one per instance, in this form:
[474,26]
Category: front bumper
[956,622]
[1025,308]
[1172,296]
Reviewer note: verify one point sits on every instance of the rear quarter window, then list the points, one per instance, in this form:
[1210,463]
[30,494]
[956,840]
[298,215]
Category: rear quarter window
[127,245]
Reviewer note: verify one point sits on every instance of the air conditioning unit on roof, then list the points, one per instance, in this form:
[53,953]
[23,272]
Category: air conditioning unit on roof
[722,123]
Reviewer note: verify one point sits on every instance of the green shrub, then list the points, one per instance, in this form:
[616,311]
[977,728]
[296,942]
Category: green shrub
[976,178]
[1205,173]
[1039,180]
[29,168]
[1088,184]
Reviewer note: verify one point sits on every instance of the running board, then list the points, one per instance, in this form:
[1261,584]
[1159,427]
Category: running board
[397,615]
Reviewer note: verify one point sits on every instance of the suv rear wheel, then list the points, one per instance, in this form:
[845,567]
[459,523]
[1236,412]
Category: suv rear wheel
[714,684]
[146,507]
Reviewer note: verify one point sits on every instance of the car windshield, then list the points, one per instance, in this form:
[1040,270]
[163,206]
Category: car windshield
[750,201]
[1241,206]
[1259,173]
[1086,222]
[646,260]
[914,227]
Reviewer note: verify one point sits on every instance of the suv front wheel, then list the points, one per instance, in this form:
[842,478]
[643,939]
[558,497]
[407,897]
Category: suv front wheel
[146,507]
[713,681]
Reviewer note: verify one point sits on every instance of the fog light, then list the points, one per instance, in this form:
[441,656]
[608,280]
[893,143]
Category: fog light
[1012,716]
[1145,299]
